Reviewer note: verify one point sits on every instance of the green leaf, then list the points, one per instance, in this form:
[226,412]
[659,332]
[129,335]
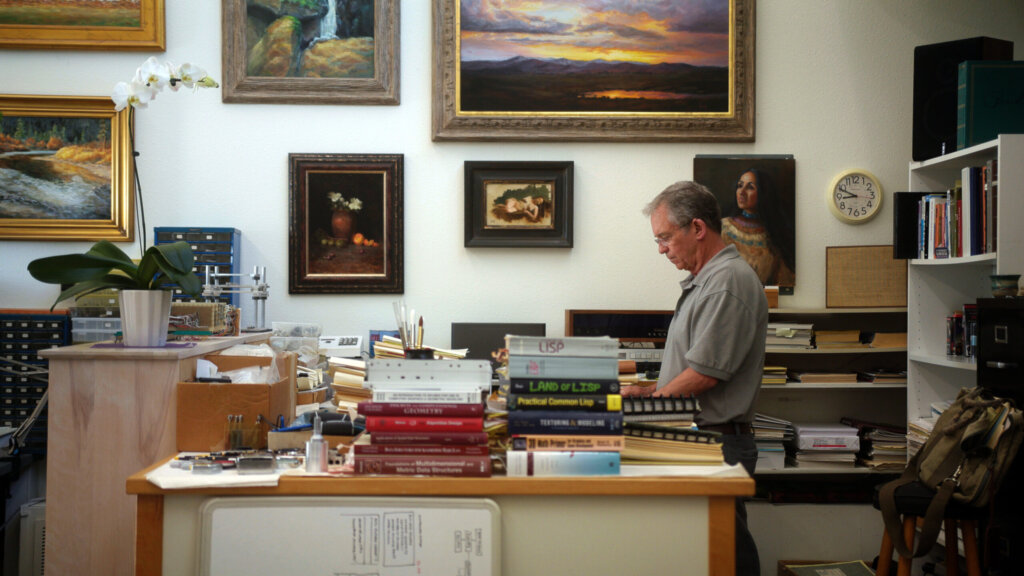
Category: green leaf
[69,268]
[95,285]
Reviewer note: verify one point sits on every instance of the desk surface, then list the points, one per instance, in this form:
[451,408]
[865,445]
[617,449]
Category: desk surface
[103,350]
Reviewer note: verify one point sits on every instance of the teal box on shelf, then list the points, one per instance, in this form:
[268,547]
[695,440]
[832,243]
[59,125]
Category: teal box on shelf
[990,100]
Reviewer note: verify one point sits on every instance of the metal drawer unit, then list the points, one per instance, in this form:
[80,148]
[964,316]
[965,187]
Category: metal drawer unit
[212,246]
[23,333]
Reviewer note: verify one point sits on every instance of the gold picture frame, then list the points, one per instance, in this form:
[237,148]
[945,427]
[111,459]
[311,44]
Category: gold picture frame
[73,130]
[481,92]
[241,87]
[21,28]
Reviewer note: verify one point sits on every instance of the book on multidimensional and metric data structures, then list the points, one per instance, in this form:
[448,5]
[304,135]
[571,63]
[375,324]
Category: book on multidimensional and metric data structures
[420,409]
[523,366]
[564,386]
[556,442]
[413,465]
[581,346]
[562,463]
[582,402]
[563,422]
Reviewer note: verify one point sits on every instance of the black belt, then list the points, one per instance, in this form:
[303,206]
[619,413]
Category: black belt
[728,428]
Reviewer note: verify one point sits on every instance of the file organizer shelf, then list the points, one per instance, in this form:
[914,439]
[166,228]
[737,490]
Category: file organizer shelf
[23,333]
[212,247]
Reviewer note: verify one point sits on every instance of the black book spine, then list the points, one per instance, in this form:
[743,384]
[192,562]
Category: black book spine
[563,422]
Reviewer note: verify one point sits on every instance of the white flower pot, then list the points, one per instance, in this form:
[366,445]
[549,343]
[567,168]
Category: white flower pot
[145,315]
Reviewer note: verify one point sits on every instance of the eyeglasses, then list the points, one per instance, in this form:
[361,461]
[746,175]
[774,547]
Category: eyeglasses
[665,238]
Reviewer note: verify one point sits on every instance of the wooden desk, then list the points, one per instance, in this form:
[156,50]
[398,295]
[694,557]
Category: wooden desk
[571,525]
[111,412]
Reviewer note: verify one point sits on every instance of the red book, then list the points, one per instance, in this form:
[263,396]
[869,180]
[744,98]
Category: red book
[444,438]
[423,424]
[420,409]
[420,449]
[470,466]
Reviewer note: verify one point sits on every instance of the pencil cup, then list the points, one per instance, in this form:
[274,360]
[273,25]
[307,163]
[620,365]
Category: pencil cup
[419,354]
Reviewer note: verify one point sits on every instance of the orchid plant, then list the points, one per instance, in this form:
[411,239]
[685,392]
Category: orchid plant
[152,77]
[338,202]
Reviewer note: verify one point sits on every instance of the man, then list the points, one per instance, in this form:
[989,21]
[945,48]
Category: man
[715,344]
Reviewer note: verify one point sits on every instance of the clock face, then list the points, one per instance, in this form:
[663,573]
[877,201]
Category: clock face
[855,196]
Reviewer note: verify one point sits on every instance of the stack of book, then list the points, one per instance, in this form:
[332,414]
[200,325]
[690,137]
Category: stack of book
[425,417]
[882,446]
[346,376]
[838,339]
[391,347]
[788,335]
[651,443]
[882,376]
[564,407]
[773,375]
[820,377]
[771,435]
[823,446]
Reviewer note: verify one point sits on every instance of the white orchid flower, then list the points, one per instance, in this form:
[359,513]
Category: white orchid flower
[191,75]
[134,93]
[154,74]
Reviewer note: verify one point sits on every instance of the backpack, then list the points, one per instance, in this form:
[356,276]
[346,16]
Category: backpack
[965,458]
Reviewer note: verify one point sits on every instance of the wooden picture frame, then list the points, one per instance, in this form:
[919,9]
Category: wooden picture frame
[518,204]
[503,95]
[370,80]
[331,252]
[83,27]
[864,277]
[75,171]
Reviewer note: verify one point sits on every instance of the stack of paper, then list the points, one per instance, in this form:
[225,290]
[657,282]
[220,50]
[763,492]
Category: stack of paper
[771,433]
[826,445]
[882,446]
[788,335]
[773,375]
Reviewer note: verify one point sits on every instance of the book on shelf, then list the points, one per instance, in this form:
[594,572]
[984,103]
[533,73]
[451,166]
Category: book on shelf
[990,199]
[563,386]
[882,376]
[988,100]
[582,402]
[580,346]
[423,424]
[820,459]
[938,242]
[888,340]
[577,442]
[771,455]
[562,463]
[564,422]
[389,395]
[430,437]
[905,224]
[819,377]
[769,428]
[837,338]
[368,408]
[367,449]
[774,375]
[424,465]
[523,366]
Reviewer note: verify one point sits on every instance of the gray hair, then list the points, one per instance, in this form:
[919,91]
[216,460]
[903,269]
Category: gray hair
[687,200]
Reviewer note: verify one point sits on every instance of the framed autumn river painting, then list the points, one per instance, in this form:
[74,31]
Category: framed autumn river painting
[661,70]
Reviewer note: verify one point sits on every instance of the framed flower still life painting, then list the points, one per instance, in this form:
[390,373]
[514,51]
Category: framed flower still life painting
[65,169]
[345,228]
[615,70]
[519,204]
[135,25]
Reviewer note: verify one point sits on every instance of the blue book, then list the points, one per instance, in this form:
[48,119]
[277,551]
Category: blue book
[529,366]
[562,463]
[564,422]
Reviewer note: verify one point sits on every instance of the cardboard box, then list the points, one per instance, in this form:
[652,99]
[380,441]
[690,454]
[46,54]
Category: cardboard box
[204,407]
[314,396]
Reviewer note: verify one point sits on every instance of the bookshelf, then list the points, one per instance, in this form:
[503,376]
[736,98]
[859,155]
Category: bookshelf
[938,287]
[827,401]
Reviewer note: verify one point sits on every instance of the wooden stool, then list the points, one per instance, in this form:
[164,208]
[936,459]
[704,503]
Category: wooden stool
[912,502]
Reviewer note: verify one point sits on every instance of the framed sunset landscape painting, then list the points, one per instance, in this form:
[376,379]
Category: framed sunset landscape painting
[82,24]
[621,70]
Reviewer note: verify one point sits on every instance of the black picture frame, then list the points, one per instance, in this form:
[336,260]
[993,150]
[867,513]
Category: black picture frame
[367,258]
[518,204]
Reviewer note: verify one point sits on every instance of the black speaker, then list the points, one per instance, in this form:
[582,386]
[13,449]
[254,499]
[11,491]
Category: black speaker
[935,77]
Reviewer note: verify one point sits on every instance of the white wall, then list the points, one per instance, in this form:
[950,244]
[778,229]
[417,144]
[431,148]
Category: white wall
[834,88]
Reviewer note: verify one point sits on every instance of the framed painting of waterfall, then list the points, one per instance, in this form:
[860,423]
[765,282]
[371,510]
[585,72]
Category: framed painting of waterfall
[615,70]
[65,169]
[83,25]
[345,224]
[304,53]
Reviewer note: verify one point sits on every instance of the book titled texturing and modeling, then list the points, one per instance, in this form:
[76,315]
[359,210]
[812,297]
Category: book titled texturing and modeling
[563,422]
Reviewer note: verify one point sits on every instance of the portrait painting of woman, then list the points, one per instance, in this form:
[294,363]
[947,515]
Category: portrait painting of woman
[757,200]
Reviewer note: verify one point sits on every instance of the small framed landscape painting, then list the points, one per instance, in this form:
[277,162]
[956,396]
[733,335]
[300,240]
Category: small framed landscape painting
[65,169]
[659,70]
[311,52]
[82,24]
[345,229]
[519,204]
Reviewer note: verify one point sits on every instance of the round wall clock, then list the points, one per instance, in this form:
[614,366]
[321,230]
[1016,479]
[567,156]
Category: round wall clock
[855,196]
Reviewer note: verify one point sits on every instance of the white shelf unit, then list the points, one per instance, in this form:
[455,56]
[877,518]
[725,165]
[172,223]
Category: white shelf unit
[938,287]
